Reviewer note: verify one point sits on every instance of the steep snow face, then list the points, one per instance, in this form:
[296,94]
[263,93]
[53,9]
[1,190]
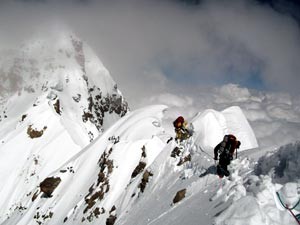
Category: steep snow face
[38,145]
[91,191]
[64,98]
[211,126]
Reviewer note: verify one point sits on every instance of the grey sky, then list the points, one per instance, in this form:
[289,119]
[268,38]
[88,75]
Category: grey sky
[153,47]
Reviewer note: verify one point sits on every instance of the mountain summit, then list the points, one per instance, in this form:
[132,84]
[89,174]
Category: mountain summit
[56,97]
[66,72]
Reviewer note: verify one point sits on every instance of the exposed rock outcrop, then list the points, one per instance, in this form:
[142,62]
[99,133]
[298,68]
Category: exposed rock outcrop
[179,196]
[33,133]
[49,185]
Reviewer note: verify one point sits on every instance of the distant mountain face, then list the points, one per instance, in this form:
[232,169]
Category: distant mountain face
[56,97]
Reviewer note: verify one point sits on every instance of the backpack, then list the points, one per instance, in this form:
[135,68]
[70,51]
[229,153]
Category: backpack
[228,145]
[178,122]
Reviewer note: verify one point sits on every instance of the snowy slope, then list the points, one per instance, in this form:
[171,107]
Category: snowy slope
[114,156]
[241,199]
[129,169]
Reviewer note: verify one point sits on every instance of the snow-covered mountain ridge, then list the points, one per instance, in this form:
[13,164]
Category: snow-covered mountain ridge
[107,178]
[105,175]
[71,153]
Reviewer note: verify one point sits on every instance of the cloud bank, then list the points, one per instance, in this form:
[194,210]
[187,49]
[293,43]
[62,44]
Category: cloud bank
[166,46]
[274,117]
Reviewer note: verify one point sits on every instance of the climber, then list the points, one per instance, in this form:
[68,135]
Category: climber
[182,129]
[225,149]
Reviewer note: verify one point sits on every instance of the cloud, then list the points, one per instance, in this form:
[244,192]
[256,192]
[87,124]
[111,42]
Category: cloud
[274,117]
[156,46]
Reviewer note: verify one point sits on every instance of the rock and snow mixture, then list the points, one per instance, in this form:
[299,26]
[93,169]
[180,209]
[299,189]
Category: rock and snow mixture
[72,153]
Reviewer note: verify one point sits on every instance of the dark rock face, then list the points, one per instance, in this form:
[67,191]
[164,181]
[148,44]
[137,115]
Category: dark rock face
[56,106]
[111,220]
[144,155]
[102,185]
[176,152]
[99,105]
[98,102]
[23,117]
[87,116]
[49,185]
[145,180]
[112,209]
[140,167]
[179,196]
[35,195]
[35,133]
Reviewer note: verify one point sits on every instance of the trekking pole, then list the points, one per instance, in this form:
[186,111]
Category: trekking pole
[206,180]
[221,183]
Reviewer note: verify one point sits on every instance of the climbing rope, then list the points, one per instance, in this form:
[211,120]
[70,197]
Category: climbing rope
[285,206]
[296,217]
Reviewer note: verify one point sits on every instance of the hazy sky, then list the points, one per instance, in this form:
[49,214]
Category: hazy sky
[153,47]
